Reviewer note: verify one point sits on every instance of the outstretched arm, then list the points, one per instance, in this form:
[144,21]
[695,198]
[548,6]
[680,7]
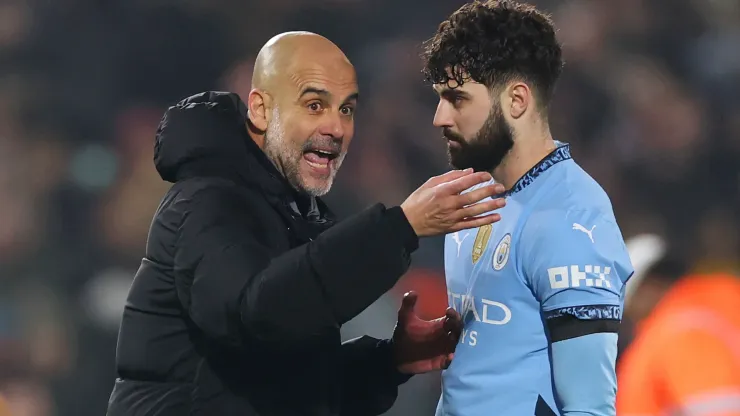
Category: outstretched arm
[232,285]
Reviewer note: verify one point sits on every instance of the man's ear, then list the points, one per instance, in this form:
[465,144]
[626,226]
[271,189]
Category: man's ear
[520,97]
[258,106]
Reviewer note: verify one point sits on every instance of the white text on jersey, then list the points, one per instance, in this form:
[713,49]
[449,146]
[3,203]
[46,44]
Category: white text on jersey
[486,313]
[561,278]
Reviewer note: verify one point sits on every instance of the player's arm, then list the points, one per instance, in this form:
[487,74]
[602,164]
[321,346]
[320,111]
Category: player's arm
[577,265]
[370,378]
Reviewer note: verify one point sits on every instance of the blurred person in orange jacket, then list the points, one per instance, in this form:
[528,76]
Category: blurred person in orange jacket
[685,357]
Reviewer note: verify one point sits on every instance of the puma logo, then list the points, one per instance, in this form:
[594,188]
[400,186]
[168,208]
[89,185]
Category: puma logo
[456,237]
[579,227]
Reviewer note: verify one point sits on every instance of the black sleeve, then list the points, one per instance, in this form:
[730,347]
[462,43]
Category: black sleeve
[369,377]
[232,285]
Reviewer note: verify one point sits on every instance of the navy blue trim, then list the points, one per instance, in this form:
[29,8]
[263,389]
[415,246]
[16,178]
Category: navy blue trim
[587,313]
[561,153]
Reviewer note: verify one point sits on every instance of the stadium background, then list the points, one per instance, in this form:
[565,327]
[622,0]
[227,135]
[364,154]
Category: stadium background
[648,100]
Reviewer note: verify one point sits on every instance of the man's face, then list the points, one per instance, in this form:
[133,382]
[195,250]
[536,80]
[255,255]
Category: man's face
[477,133]
[312,124]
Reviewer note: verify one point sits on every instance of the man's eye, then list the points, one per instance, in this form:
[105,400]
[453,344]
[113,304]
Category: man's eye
[347,111]
[457,101]
[314,107]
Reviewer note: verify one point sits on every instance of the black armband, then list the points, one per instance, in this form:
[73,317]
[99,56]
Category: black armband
[577,321]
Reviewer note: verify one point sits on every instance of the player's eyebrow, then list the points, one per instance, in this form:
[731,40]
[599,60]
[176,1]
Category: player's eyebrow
[451,93]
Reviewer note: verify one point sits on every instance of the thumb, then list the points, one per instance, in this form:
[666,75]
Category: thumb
[407,306]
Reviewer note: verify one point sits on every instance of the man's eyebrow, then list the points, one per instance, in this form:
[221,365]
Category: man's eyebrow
[446,92]
[352,97]
[314,90]
[326,94]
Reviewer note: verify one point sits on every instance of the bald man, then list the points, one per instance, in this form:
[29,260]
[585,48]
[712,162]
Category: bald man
[237,305]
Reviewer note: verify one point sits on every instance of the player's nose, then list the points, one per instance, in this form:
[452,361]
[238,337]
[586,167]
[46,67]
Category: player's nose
[443,115]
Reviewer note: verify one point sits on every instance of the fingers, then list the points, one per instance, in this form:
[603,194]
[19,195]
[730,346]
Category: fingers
[409,299]
[447,360]
[460,184]
[474,222]
[447,177]
[407,305]
[453,336]
[452,320]
[452,314]
[479,208]
[453,326]
[479,194]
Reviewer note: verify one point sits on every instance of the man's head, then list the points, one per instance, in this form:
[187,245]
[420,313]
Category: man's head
[494,65]
[301,108]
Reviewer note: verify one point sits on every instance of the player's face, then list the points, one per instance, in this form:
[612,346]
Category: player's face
[312,124]
[478,136]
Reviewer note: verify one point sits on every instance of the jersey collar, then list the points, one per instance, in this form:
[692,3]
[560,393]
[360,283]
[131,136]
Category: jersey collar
[561,153]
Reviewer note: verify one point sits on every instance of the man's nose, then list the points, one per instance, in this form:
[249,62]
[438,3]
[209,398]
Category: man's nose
[443,115]
[333,125]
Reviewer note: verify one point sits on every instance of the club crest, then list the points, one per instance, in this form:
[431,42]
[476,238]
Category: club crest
[501,254]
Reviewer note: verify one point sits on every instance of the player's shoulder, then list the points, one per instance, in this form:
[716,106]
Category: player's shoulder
[575,200]
[574,189]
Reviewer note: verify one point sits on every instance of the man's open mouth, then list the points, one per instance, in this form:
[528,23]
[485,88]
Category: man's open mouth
[320,158]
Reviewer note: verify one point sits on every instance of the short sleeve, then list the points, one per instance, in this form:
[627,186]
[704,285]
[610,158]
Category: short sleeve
[575,263]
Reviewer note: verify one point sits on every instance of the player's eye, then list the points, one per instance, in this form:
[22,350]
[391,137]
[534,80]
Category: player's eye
[347,110]
[457,100]
[315,106]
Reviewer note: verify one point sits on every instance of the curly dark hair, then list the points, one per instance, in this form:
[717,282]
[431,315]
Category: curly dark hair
[495,42]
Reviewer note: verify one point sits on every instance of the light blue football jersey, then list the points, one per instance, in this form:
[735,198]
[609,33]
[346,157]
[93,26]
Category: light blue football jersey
[556,250]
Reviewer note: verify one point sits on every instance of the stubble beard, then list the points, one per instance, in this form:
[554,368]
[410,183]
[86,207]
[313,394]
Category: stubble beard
[287,158]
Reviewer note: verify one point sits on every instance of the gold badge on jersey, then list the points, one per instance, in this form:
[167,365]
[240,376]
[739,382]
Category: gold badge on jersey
[481,241]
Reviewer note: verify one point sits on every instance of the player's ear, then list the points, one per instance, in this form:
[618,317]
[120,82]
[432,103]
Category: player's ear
[258,105]
[520,97]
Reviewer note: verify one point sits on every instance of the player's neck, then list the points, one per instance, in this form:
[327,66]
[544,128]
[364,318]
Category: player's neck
[526,153]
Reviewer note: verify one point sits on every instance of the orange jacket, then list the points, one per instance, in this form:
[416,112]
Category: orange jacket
[685,359]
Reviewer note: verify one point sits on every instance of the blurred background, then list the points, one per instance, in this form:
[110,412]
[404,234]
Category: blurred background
[648,101]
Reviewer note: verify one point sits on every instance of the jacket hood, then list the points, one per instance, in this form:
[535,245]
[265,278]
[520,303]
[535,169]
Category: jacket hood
[206,134]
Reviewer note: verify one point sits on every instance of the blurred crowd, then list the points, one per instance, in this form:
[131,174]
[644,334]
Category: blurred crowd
[648,101]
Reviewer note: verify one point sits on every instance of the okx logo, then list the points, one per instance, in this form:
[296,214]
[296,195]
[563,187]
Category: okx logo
[574,276]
